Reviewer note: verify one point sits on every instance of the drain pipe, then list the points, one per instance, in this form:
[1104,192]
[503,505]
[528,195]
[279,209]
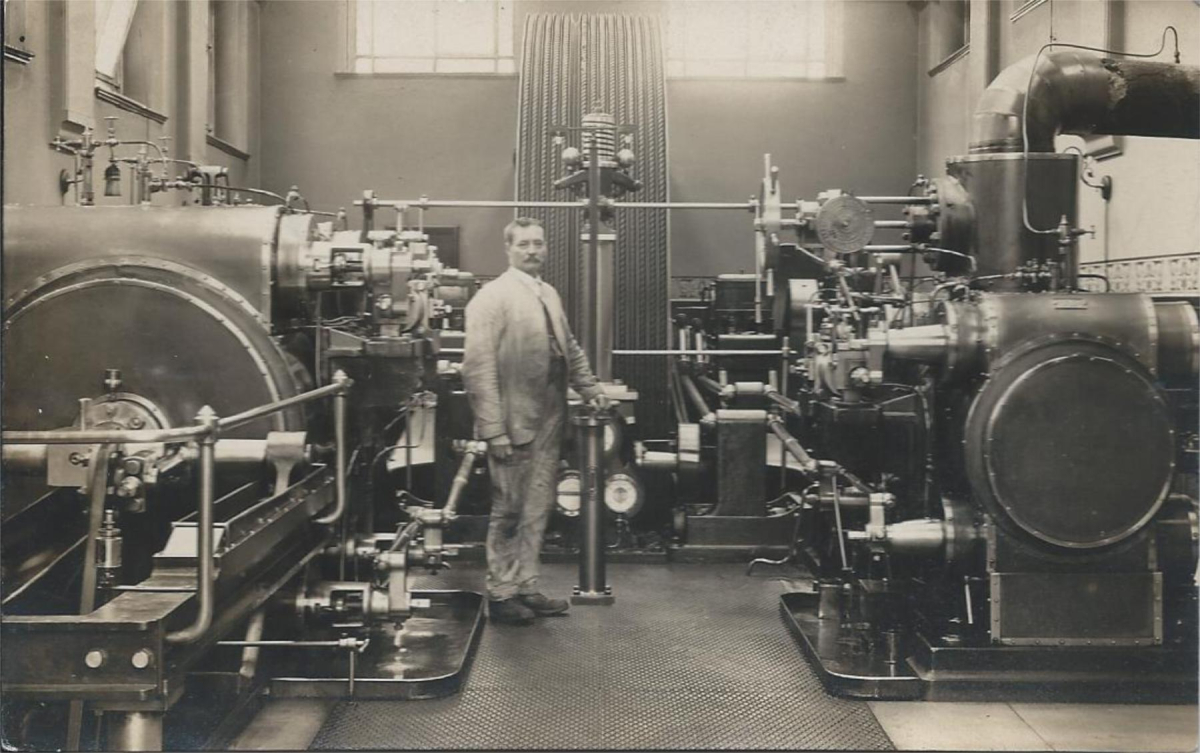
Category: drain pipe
[1083,93]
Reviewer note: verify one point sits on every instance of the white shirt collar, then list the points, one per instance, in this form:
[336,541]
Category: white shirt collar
[535,283]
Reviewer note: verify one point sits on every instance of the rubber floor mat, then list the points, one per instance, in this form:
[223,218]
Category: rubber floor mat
[689,657]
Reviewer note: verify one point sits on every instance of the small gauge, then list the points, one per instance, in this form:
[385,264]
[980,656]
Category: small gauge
[568,498]
[622,494]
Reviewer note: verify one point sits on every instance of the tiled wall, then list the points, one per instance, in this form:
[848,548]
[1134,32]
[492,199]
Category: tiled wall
[1153,274]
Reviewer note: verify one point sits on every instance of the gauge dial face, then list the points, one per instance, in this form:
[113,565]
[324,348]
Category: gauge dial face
[622,494]
[568,498]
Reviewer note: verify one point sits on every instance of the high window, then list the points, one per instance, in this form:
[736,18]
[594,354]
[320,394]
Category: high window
[15,47]
[762,39]
[433,36]
[113,20]
[129,50]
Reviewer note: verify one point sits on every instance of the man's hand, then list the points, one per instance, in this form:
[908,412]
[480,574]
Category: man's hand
[600,402]
[500,448]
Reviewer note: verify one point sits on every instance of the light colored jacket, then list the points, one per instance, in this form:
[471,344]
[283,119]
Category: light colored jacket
[506,364]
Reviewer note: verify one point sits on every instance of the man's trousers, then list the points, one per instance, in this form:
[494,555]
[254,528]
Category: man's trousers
[523,490]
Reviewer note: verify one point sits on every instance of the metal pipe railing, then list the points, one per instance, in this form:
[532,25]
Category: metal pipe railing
[750,205]
[342,384]
[695,352]
[207,419]
[104,436]
[427,203]
[895,199]
[208,426]
[337,387]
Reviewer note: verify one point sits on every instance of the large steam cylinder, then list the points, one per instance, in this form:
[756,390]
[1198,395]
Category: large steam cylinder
[991,226]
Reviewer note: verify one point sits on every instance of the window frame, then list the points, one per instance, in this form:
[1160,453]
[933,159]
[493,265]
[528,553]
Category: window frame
[832,58]
[111,87]
[951,56]
[15,49]
[113,33]
[503,65]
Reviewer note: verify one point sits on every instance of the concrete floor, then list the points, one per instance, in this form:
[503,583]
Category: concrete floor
[1038,726]
[293,724]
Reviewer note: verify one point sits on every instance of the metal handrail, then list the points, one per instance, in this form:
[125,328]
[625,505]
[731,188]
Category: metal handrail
[212,426]
[339,386]
[105,436]
[207,428]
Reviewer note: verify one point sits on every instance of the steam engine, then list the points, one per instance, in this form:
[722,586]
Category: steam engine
[992,458]
[198,403]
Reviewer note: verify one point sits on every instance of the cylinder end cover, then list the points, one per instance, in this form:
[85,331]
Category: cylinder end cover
[1070,443]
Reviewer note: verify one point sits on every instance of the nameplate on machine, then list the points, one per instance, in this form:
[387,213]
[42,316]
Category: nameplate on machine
[1070,303]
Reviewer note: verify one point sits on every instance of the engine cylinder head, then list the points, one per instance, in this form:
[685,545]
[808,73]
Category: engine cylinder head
[1000,187]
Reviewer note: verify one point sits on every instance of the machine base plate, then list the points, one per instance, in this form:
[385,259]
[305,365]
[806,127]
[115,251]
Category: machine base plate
[852,663]
[428,656]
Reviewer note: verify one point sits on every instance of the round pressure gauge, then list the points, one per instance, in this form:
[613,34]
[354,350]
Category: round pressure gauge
[568,497]
[622,494]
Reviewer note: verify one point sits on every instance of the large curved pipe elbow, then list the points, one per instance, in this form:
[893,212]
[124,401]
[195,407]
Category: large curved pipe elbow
[1082,93]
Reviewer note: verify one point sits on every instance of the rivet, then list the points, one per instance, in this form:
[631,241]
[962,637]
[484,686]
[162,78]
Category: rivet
[141,659]
[95,658]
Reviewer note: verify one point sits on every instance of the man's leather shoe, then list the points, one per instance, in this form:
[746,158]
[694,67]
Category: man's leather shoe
[543,606]
[510,611]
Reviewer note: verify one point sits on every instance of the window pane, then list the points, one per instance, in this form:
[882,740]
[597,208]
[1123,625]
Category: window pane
[403,65]
[113,18]
[466,65]
[716,31]
[394,36]
[404,28]
[364,22]
[775,31]
[735,68]
[466,27]
[816,33]
[676,20]
[504,29]
[776,69]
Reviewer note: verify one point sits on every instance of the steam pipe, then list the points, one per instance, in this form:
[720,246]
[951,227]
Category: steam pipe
[1078,92]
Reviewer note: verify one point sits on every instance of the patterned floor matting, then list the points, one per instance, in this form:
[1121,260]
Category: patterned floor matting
[689,657]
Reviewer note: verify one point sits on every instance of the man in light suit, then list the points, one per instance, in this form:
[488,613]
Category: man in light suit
[520,355]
